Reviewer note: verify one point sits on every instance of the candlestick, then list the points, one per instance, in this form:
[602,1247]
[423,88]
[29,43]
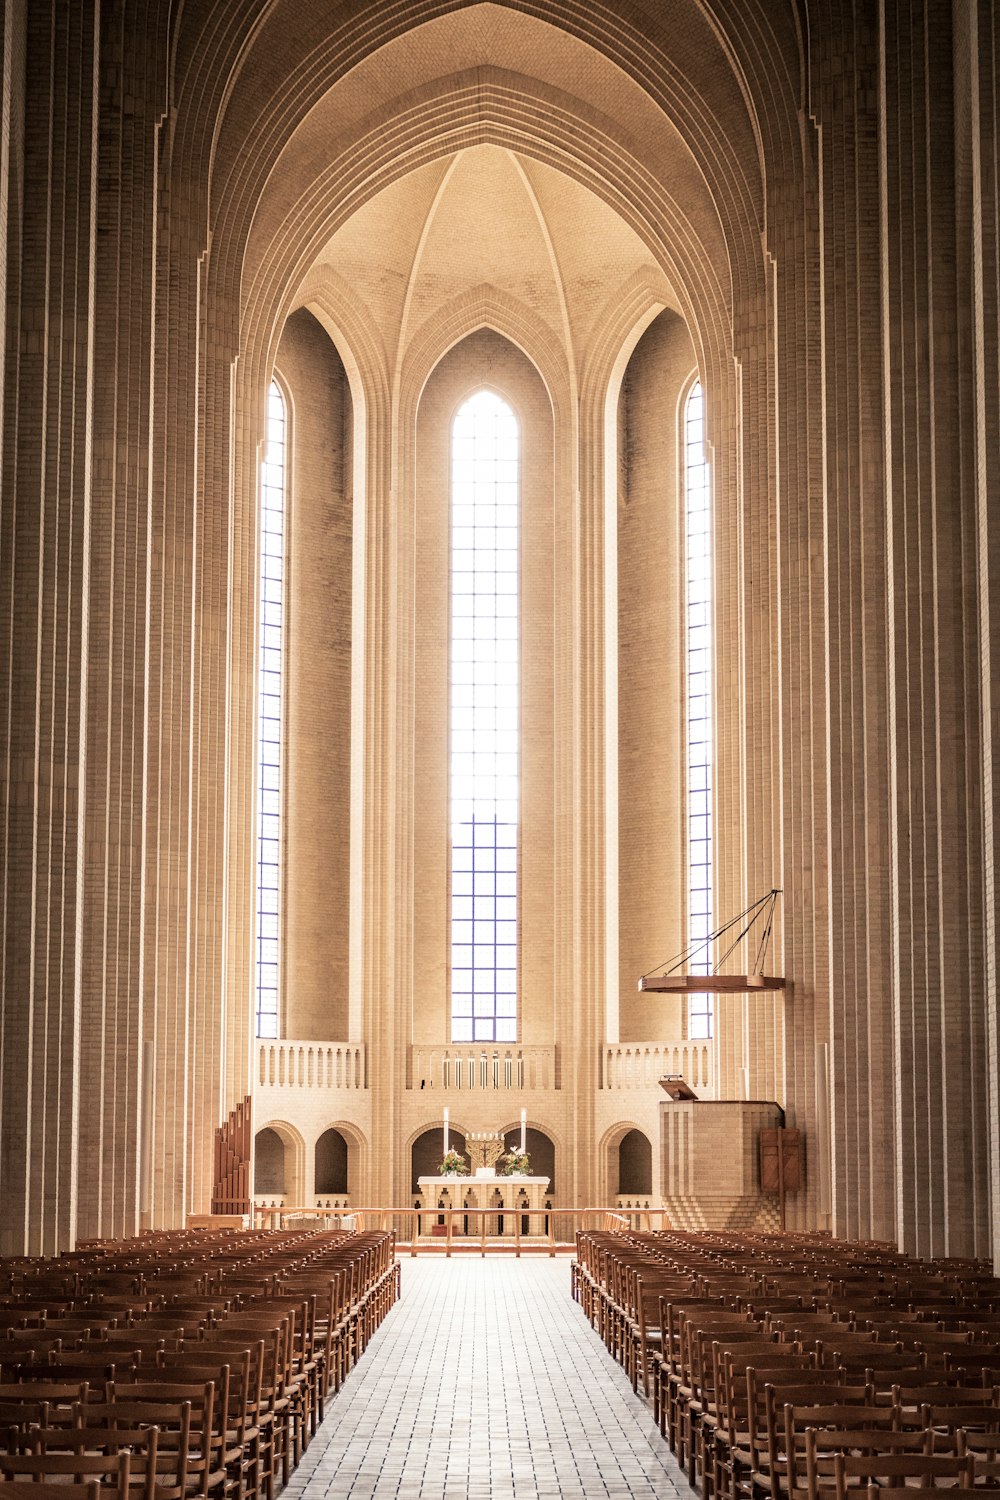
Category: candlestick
[446,1130]
[524,1130]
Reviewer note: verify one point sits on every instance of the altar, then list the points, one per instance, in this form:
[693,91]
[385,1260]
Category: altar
[499,1199]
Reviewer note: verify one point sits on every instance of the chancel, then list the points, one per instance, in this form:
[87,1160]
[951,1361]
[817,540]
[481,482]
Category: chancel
[498,1202]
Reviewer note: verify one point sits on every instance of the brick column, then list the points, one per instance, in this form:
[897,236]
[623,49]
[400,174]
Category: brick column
[940,1143]
[44,543]
[132,95]
[977,120]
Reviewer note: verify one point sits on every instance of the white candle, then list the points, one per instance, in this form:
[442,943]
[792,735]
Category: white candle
[446,1130]
[524,1130]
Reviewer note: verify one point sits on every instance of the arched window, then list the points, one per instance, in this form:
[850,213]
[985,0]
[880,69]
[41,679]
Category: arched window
[484,720]
[698,631]
[269,705]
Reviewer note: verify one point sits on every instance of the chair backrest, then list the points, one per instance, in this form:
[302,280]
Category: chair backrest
[79,1467]
[952,1413]
[21,1489]
[787,1435]
[878,1471]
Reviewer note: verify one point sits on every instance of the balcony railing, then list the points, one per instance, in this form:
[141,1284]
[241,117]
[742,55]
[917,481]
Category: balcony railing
[311,1065]
[477,1067]
[638,1065]
[343,1065]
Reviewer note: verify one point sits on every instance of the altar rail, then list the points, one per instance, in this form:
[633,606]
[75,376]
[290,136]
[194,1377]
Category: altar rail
[477,1067]
[631,1065]
[311,1065]
[557,1238]
[276,1202]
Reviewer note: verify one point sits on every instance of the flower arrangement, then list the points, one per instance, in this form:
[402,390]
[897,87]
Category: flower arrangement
[453,1165]
[516,1163]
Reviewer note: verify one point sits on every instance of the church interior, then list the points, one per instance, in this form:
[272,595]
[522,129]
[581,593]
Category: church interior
[492,492]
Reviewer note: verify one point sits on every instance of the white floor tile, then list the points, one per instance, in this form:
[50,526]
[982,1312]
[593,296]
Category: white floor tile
[484,1383]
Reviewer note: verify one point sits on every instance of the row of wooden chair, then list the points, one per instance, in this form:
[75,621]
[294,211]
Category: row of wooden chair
[797,1367]
[182,1365]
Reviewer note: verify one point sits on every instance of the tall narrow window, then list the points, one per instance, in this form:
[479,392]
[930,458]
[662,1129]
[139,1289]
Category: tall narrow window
[698,604]
[484,721]
[272,560]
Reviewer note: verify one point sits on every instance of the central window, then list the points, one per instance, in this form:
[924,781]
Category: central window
[484,720]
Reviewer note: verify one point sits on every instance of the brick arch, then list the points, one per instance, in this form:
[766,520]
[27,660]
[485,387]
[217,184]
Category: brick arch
[409,1166]
[511,112]
[426,1126]
[741,57]
[482,307]
[356,340]
[625,319]
[358,1148]
[607,1155]
[295,1156]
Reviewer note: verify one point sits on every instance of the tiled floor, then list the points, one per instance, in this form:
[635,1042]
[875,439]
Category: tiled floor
[485,1381]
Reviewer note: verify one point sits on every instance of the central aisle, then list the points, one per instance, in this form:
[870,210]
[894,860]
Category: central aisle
[485,1381]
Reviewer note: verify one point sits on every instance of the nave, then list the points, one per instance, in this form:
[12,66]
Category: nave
[485,1381]
[200,1364]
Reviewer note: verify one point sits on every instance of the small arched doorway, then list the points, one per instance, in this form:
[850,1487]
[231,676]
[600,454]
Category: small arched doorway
[332,1165]
[635,1166]
[278,1166]
[269,1163]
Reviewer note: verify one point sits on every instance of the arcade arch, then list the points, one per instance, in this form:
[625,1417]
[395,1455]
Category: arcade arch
[279,1163]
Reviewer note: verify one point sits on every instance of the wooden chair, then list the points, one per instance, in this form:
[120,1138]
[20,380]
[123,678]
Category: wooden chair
[787,1431]
[203,1466]
[79,1468]
[955,1410]
[741,1431]
[702,1416]
[29,1489]
[879,1476]
[277,1407]
[182,1437]
[983,1449]
[678,1321]
[163,1467]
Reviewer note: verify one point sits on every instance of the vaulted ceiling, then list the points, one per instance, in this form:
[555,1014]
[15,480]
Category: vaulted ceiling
[486,217]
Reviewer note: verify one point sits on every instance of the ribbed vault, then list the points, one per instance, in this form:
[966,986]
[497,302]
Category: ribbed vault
[291,227]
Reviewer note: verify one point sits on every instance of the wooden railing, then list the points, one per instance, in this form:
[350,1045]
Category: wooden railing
[311,1065]
[406,1224]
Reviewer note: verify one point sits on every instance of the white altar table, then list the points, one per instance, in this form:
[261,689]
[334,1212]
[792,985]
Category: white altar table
[501,1197]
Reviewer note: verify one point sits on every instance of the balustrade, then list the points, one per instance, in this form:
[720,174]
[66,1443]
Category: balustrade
[311,1065]
[632,1065]
[343,1065]
[519,1069]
